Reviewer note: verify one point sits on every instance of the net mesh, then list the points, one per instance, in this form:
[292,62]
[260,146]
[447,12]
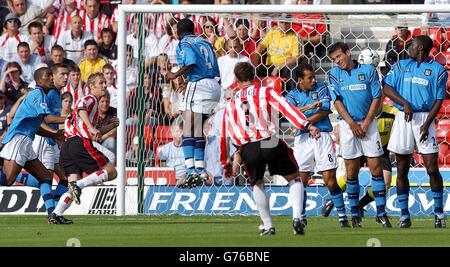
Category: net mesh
[307,39]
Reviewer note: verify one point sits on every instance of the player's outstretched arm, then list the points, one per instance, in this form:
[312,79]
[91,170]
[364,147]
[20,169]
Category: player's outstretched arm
[47,131]
[95,133]
[14,108]
[173,75]
[50,118]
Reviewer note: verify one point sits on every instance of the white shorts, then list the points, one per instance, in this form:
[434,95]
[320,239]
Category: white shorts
[405,135]
[353,147]
[45,152]
[19,149]
[201,96]
[310,152]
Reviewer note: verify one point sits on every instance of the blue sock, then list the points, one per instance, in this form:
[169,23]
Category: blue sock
[199,154]
[188,150]
[438,193]
[305,198]
[27,179]
[338,200]
[46,194]
[379,194]
[353,196]
[402,198]
[60,190]
[2,178]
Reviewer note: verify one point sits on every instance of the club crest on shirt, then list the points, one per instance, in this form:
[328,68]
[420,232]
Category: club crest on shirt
[361,77]
[44,105]
[314,95]
[387,124]
[427,72]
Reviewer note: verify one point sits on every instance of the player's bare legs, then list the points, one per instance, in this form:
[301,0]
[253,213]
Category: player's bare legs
[11,169]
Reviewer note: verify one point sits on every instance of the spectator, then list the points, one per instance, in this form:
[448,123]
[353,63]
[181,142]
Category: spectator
[131,156]
[110,77]
[93,20]
[74,85]
[211,33]
[397,47]
[91,63]
[27,61]
[311,29]
[40,44]
[11,38]
[248,42]
[73,40]
[107,48]
[132,70]
[171,98]
[4,110]
[57,57]
[105,115]
[227,62]
[30,13]
[3,12]
[169,42]
[64,14]
[66,106]
[172,153]
[283,51]
[151,44]
[11,84]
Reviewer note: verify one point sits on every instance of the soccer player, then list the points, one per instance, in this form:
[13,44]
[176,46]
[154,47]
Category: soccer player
[78,154]
[385,121]
[313,99]
[250,122]
[18,152]
[417,86]
[356,92]
[198,62]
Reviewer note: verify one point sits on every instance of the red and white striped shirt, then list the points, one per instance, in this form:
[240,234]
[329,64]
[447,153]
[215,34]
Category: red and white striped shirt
[253,114]
[74,92]
[62,22]
[74,125]
[95,25]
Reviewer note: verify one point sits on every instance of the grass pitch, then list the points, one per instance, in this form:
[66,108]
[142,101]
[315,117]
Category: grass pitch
[210,231]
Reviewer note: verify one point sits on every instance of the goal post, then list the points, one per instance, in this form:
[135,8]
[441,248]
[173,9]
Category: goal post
[243,11]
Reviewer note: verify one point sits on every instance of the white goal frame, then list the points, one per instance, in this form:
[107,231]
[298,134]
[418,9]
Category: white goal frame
[121,73]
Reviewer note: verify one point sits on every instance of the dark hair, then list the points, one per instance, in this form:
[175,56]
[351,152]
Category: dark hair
[90,42]
[74,68]
[39,73]
[34,24]
[427,43]
[171,22]
[300,71]
[58,66]
[108,66]
[244,72]
[129,49]
[23,44]
[185,26]
[339,45]
[66,95]
[57,48]
[107,30]
[14,64]
[244,22]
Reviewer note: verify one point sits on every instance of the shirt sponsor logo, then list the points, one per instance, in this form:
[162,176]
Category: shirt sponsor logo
[355,87]
[419,81]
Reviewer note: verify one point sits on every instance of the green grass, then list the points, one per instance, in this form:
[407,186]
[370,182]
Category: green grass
[209,231]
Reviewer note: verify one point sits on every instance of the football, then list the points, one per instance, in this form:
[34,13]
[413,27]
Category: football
[369,56]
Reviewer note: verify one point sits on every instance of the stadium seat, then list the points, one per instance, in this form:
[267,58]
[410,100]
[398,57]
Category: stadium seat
[444,155]
[163,134]
[443,130]
[444,112]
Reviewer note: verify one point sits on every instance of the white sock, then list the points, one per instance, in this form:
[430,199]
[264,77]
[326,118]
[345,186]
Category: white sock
[296,196]
[262,203]
[93,179]
[63,204]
